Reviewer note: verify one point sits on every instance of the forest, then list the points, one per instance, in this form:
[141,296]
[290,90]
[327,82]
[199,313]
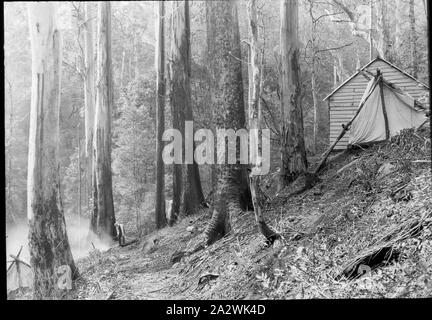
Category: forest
[238,149]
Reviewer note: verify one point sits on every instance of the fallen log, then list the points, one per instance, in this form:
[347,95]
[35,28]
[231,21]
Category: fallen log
[129,243]
[383,251]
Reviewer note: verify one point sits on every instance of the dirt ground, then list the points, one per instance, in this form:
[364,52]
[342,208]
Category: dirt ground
[362,196]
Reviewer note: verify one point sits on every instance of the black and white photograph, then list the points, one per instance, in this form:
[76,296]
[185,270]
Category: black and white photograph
[227,150]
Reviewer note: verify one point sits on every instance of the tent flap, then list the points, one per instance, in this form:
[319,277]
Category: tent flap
[369,125]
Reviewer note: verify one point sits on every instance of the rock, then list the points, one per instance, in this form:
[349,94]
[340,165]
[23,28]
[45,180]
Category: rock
[177,256]
[150,245]
[385,170]
[190,229]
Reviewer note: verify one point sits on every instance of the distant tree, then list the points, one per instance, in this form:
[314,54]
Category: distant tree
[160,216]
[293,152]
[103,218]
[383,31]
[413,40]
[232,192]
[48,240]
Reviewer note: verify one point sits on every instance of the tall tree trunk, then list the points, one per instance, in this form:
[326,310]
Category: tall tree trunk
[122,69]
[9,154]
[89,100]
[398,14]
[103,212]
[371,44]
[160,217]
[192,194]
[293,152]
[313,74]
[233,193]
[48,240]
[209,56]
[254,118]
[136,58]
[413,40]
[383,32]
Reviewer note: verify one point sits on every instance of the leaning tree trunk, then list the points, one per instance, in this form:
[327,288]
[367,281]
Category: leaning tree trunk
[255,113]
[48,240]
[293,152]
[89,100]
[103,213]
[413,40]
[192,194]
[160,216]
[232,193]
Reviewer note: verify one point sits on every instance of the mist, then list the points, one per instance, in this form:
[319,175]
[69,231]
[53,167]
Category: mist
[78,234]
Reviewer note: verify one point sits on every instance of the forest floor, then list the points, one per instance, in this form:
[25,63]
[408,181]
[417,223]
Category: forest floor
[370,213]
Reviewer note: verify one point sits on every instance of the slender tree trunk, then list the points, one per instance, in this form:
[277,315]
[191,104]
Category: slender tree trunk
[136,58]
[48,240]
[79,170]
[160,105]
[9,154]
[371,44]
[255,113]
[313,75]
[89,100]
[122,69]
[413,40]
[103,213]
[233,193]
[192,195]
[293,152]
[397,27]
[383,33]
[209,53]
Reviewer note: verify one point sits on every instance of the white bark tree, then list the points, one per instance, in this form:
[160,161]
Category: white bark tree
[48,240]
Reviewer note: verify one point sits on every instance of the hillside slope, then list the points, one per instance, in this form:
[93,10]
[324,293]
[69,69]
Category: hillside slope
[371,212]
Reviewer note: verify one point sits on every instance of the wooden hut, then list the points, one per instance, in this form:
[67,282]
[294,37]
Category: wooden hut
[343,101]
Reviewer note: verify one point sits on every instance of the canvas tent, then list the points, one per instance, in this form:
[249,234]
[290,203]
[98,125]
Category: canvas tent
[384,111]
[345,99]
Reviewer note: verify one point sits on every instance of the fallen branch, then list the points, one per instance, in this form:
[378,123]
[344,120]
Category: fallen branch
[129,243]
[383,252]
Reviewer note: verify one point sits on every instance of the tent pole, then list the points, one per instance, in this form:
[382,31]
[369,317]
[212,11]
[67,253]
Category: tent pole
[386,123]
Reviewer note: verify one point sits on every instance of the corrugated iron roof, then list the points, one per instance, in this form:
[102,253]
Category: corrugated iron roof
[367,65]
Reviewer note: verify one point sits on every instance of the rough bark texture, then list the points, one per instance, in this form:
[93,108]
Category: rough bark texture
[255,113]
[293,153]
[413,40]
[48,240]
[89,99]
[103,212]
[209,52]
[232,193]
[160,216]
[192,194]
